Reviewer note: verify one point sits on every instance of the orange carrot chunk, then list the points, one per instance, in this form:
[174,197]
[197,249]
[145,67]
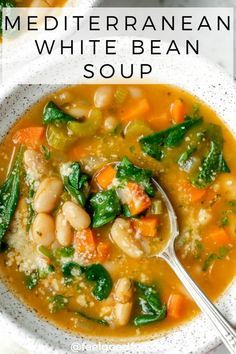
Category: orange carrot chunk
[147,226]
[196,194]
[32,137]
[220,237]
[162,121]
[177,111]
[103,251]
[105,176]
[175,305]
[84,241]
[138,109]
[193,194]
[139,200]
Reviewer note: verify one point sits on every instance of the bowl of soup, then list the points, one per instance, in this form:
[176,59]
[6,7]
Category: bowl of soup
[81,218]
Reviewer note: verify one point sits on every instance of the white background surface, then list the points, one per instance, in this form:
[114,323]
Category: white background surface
[7,344]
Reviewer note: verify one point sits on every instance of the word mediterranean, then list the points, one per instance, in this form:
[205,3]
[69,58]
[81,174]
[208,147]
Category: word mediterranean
[131,24]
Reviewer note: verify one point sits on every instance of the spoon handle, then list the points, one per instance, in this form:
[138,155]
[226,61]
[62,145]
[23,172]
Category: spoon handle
[225,330]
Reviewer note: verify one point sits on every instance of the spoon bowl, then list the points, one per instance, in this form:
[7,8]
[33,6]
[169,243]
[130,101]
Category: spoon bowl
[174,229]
[224,329]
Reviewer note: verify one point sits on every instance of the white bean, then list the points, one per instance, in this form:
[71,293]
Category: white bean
[48,195]
[35,164]
[103,96]
[123,297]
[135,92]
[76,215]
[43,229]
[121,234]
[123,290]
[227,185]
[204,216]
[64,232]
[64,97]
[110,123]
[78,112]
[122,313]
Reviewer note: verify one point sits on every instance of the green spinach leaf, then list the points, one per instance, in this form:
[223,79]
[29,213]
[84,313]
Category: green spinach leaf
[46,152]
[70,270]
[30,210]
[222,253]
[198,249]
[184,158]
[44,272]
[232,204]
[76,183]
[9,196]
[58,303]
[126,171]
[105,207]
[96,320]
[31,281]
[151,305]
[65,252]
[155,144]
[53,114]
[224,220]
[99,274]
[143,320]
[149,294]
[213,163]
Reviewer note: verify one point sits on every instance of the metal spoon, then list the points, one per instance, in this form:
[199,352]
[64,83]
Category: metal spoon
[225,330]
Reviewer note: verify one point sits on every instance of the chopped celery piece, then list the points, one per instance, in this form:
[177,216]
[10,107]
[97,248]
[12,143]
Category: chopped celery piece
[89,126]
[156,207]
[58,138]
[137,128]
[46,252]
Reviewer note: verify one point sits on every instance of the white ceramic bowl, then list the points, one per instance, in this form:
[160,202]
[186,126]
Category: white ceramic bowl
[211,85]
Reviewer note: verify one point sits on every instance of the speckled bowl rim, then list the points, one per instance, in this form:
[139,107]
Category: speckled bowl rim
[211,84]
